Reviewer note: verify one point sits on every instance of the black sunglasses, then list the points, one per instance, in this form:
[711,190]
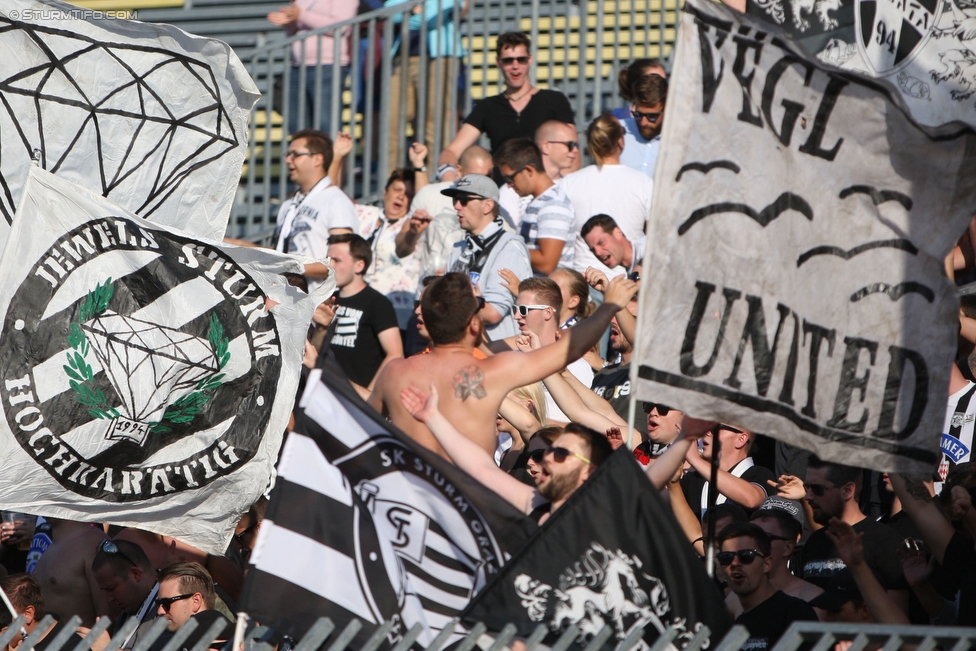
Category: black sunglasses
[818,489]
[465,199]
[110,547]
[570,145]
[239,537]
[661,409]
[536,455]
[510,178]
[650,117]
[167,602]
[561,454]
[746,556]
[507,61]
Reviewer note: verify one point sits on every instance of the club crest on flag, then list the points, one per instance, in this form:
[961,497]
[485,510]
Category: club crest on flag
[891,32]
[605,587]
[143,385]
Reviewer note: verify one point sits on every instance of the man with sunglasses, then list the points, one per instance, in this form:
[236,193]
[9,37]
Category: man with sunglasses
[123,572]
[548,221]
[781,520]
[642,137]
[572,458]
[486,249]
[833,491]
[516,113]
[186,591]
[560,147]
[745,561]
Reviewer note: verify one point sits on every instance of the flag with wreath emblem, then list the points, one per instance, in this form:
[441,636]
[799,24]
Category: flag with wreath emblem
[147,375]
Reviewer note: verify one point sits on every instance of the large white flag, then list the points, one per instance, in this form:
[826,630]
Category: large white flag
[146,115]
[793,277]
[146,376]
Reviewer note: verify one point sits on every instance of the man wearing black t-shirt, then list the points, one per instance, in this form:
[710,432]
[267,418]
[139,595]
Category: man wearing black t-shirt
[366,333]
[833,491]
[516,113]
[739,479]
[745,560]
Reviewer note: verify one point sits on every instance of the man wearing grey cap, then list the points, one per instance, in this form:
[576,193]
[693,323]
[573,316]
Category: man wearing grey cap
[487,248]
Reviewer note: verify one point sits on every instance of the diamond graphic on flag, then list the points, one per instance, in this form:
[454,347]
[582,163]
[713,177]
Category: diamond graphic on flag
[148,364]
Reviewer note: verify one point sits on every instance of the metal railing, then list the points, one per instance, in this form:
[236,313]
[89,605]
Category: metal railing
[578,47]
[822,635]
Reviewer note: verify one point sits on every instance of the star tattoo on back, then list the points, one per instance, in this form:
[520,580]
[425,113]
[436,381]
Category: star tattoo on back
[469,382]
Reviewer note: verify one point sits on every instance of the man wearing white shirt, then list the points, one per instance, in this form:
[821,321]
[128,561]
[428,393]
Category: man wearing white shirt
[318,210]
[611,247]
[607,188]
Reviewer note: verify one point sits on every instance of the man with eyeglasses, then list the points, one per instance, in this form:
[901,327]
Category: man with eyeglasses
[516,113]
[186,591]
[642,137]
[318,209]
[833,491]
[123,572]
[740,480]
[486,249]
[745,561]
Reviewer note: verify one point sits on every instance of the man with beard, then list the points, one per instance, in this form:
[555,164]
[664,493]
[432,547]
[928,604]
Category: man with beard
[573,457]
[642,140]
[746,561]
[833,491]
[473,389]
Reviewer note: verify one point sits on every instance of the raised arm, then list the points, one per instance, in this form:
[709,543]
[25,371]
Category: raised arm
[735,488]
[924,512]
[525,368]
[850,547]
[520,418]
[465,453]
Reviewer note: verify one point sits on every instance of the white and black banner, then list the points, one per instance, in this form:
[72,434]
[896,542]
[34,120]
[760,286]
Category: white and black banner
[799,224]
[146,376]
[147,115]
[364,523]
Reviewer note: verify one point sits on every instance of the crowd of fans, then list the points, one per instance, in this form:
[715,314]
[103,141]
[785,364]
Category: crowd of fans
[491,316]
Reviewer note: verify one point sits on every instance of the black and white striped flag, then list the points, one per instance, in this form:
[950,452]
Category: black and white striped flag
[365,523]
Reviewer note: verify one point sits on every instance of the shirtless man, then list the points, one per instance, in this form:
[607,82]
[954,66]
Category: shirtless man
[472,390]
[65,575]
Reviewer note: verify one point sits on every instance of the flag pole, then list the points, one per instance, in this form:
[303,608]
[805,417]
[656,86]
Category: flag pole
[710,512]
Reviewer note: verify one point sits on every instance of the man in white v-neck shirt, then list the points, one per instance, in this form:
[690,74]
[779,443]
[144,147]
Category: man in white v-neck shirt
[318,210]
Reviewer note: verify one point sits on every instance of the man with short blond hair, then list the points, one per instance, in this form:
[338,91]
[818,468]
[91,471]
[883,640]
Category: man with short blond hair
[186,591]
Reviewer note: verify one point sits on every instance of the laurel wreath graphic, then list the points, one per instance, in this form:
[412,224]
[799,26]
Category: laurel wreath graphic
[81,377]
[186,408]
[77,369]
